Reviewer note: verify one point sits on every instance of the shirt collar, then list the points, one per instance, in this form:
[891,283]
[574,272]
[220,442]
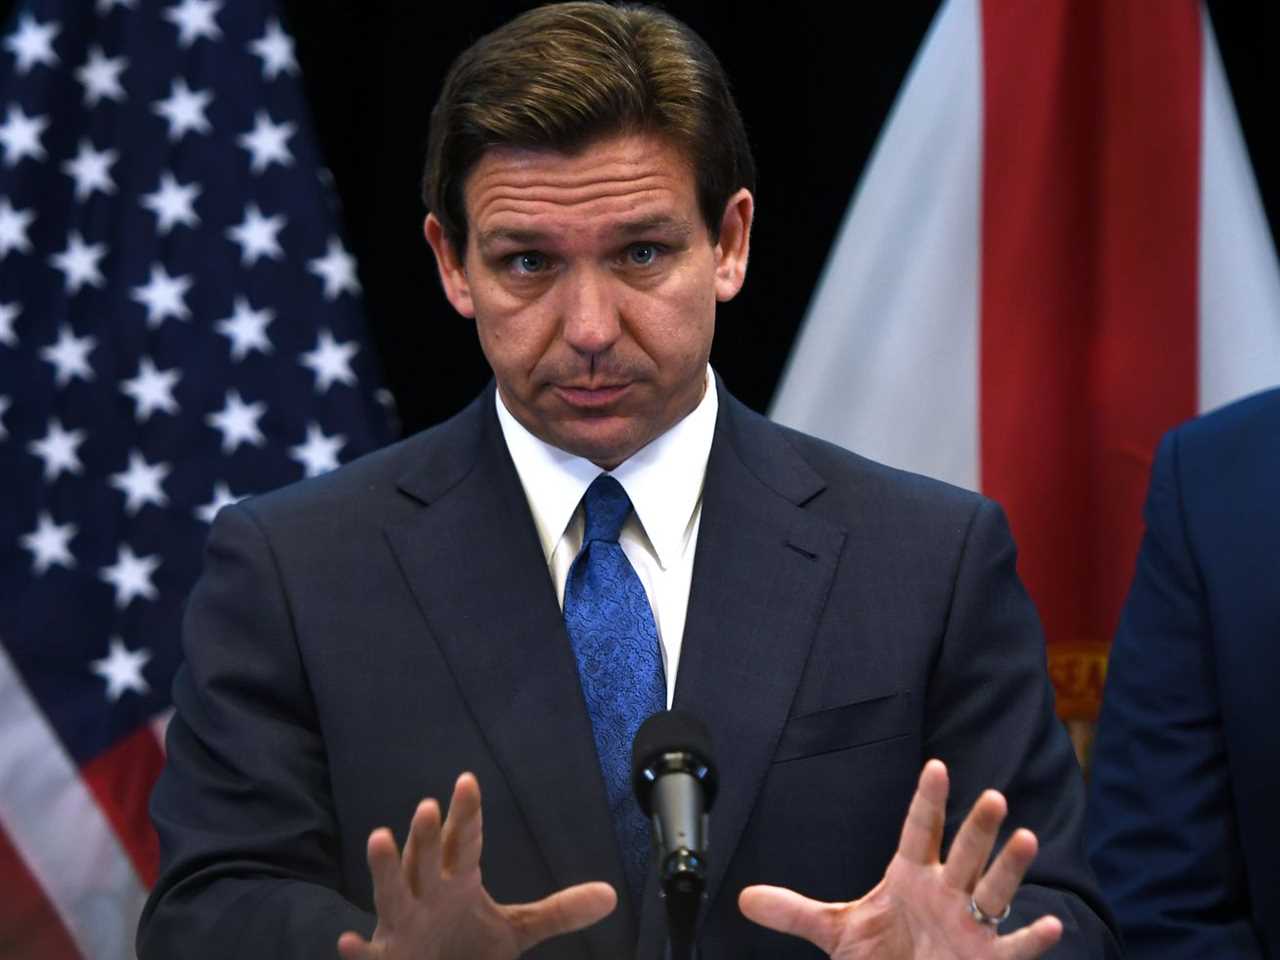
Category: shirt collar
[663,478]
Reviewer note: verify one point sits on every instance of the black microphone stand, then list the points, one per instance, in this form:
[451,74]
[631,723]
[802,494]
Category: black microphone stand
[682,889]
[675,784]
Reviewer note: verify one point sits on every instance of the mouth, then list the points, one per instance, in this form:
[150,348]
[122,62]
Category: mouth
[595,397]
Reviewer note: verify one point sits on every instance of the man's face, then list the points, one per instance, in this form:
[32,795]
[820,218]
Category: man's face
[593,282]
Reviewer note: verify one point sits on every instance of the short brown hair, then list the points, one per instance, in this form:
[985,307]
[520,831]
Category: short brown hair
[560,76]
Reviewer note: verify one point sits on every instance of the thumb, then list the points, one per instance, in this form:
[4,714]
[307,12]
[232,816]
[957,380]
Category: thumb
[352,946]
[788,912]
[568,910]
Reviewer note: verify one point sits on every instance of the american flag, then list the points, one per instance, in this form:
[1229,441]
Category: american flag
[180,327]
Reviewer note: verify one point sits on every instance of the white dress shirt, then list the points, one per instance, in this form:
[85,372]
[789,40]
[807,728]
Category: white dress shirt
[664,481]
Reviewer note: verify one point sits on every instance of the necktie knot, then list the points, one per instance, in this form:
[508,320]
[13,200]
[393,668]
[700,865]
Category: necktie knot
[605,507]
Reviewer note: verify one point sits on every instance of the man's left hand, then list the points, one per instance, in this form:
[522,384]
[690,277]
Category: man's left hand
[924,908]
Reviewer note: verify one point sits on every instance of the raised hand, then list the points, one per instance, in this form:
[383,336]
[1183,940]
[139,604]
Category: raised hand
[923,908]
[432,904]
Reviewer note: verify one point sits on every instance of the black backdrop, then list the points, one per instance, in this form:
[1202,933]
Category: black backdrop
[814,82]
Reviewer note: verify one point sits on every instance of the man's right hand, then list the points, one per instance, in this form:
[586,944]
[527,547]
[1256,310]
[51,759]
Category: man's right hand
[432,905]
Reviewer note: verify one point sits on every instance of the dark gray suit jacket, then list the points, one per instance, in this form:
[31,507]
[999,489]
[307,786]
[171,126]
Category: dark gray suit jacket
[358,640]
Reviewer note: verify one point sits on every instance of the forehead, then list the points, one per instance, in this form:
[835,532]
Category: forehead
[603,186]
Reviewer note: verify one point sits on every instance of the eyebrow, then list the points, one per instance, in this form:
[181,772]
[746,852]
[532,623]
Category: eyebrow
[519,238]
[678,227]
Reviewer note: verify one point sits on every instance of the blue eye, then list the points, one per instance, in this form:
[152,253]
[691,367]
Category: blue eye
[642,254]
[529,262]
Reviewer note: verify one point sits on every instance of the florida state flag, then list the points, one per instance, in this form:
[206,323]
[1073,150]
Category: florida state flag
[1056,253]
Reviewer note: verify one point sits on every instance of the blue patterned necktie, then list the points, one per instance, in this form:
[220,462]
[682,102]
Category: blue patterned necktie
[615,640]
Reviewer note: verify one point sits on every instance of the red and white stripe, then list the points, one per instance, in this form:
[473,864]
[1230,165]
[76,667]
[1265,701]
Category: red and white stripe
[1056,253]
[77,852]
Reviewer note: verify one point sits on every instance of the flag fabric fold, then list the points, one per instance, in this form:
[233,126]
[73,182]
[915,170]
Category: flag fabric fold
[180,327]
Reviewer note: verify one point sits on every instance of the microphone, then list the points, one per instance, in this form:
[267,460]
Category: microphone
[675,783]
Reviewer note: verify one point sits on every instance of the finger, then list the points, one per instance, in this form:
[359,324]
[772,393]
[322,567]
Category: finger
[463,829]
[921,840]
[1031,941]
[422,849]
[974,842]
[788,912]
[1001,881]
[563,912]
[384,867]
[352,946]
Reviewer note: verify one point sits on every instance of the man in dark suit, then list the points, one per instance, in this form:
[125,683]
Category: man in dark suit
[1182,822]
[411,626]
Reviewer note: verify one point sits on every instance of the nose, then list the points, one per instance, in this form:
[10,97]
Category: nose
[590,320]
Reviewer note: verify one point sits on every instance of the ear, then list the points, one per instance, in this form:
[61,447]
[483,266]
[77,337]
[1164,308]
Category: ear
[453,274]
[734,245]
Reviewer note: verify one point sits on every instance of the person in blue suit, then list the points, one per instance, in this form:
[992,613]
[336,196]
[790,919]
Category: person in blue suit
[367,644]
[1183,831]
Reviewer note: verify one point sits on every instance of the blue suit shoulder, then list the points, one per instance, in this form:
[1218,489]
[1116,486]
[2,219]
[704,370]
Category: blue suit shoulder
[1233,444]
[1252,419]
[369,488]
[1224,468]
[854,484]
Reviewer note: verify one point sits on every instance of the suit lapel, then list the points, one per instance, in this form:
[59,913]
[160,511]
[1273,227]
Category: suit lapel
[498,624]
[761,574]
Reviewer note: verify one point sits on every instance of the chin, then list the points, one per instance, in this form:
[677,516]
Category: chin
[604,451]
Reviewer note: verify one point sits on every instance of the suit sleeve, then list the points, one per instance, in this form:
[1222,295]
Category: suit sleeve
[1162,830]
[991,720]
[249,866]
